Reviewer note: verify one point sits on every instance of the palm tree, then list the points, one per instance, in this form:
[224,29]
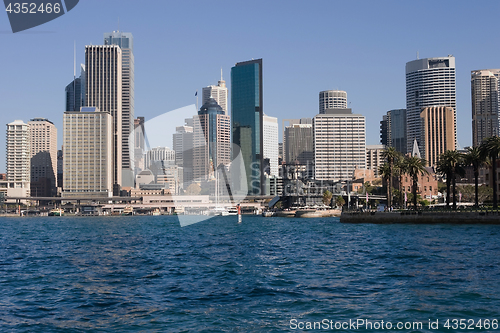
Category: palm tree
[400,167]
[490,148]
[477,160]
[391,155]
[385,172]
[415,166]
[449,165]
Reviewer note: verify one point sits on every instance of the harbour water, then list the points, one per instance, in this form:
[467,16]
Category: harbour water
[147,274]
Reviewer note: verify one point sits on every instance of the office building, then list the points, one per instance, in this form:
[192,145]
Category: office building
[75,92]
[332,99]
[429,82]
[183,147]
[18,159]
[43,152]
[246,121]
[211,140]
[485,104]
[164,155]
[339,144]
[139,144]
[103,76]
[125,41]
[438,132]
[218,92]
[374,159]
[270,140]
[298,143]
[393,130]
[385,129]
[88,153]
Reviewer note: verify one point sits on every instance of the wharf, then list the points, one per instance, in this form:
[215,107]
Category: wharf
[423,217]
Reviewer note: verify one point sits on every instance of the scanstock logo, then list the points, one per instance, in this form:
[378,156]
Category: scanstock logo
[26,15]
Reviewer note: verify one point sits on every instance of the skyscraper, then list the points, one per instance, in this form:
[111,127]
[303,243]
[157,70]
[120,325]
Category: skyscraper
[429,82]
[18,159]
[75,92]
[393,130]
[43,152]
[183,146]
[485,104]
[246,120]
[438,132]
[126,42]
[298,143]
[139,144]
[88,153]
[211,140]
[332,99]
[103,76]
[339,144]
[270,139]
[218,92]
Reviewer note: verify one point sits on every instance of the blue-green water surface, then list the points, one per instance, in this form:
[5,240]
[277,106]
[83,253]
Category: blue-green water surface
[147,274]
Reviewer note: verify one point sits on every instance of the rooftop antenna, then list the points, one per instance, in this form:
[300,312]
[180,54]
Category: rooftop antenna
[118,23]
[417,55]
[221,74]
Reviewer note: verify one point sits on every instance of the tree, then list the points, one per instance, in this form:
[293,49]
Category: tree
[385,171]
[400,168]
[477,160]
[391,155]
[327,197]
[339,201]
[415,166]
[490,148]
[450,165]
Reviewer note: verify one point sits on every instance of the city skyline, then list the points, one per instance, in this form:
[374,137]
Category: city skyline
[294,75]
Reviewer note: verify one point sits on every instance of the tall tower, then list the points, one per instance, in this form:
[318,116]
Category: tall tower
[18,159]
[183,146]
[75,92]
[43,142]
[246,120]
[126,42]
[218,92]
[339,144]
[211,140]
[429,82]
[485,104]
[103,79]
[332,99]
[270,139]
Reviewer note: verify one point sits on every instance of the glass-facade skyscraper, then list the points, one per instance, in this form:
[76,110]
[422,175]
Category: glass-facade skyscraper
[247,119]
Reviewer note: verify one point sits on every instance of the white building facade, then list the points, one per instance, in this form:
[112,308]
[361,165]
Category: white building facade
[88,154]
[218,92]
[339,144]
[18,159]
[270,140]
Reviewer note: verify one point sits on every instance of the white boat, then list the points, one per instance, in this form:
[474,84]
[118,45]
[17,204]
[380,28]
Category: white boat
[218,211]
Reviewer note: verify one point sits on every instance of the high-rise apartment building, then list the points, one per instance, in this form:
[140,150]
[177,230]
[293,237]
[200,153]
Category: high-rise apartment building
[339,144]
[125,41]
[429,82]
[88,153]
[211,140]
[18,159]
[438,132]
[485,104]
[43,152]
[103,78]
[218,92]
[270,139]
[332,99]
[246,121]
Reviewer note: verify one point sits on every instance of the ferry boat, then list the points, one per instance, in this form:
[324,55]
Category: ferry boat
[128,211]
[56,212]
[156,212]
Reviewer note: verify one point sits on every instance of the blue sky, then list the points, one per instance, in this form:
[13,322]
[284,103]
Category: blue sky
[307,46]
